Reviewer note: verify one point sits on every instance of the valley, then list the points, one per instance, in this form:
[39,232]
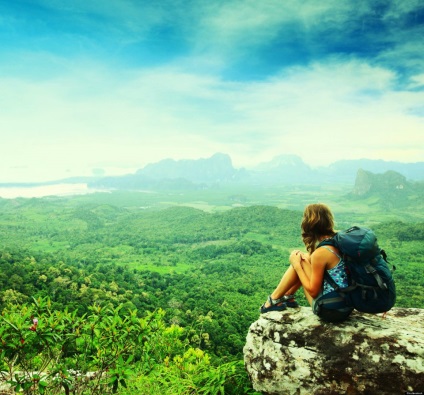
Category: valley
[206,259]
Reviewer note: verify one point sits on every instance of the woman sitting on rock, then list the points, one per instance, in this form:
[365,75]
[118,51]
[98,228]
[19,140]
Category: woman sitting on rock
[308,270]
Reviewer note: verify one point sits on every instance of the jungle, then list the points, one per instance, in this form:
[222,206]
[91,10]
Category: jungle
[153,293]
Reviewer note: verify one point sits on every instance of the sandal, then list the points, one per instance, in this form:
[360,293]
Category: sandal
[275,305]
[290,301]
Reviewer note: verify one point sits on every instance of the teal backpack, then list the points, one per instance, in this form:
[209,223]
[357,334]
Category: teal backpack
[371,287]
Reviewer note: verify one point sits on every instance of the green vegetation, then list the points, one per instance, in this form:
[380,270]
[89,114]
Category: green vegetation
[177,286]
[105,352]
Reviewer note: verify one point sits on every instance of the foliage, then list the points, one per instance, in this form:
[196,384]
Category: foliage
[50,351]
[53,352]
[190,263]
[200,276]
[193,373]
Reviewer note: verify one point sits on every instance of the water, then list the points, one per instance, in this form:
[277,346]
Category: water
[45,190]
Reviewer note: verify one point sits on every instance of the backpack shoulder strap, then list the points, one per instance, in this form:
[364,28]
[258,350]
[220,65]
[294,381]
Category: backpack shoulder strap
[327,242]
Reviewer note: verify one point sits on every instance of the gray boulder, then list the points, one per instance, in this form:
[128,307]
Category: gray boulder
[293,352]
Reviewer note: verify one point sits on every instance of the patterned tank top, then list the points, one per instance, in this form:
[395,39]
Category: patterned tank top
[337,273]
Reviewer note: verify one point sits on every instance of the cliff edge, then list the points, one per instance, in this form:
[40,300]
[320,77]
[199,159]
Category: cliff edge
[293,352]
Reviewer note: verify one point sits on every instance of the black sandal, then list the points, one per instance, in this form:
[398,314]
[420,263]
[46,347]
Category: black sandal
[275,305]
[290,301]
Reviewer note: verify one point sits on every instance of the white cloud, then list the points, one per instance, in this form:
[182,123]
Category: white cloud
[416,81]
[343,108]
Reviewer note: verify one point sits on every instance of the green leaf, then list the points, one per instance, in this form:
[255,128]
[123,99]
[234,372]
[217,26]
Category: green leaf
[13,326]
[27,385]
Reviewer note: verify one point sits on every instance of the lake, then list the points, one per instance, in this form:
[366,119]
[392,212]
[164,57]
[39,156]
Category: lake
[45,190]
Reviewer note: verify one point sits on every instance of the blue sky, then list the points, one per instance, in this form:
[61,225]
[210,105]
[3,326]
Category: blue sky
[119,84]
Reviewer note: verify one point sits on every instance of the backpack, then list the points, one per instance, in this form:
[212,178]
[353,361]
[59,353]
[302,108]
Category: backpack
[371,287]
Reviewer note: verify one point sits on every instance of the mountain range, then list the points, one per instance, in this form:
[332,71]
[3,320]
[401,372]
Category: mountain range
[283,169]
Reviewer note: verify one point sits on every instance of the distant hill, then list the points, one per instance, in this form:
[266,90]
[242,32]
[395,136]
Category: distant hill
[387,183]
[170,174]
[284,169]
[346,169]
[141,182]
[219,170]
[390,189]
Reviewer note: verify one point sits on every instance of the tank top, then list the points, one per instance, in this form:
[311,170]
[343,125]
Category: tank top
[337,273]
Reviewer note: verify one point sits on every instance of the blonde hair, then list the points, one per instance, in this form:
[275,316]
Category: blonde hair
[318,221]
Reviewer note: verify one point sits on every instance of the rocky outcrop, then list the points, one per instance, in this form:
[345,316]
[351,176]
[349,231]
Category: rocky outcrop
[388,183]
[293,352]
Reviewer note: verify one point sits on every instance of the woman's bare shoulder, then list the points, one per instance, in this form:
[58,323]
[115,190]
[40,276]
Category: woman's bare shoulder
[327,255]
[320,254]
[324,256]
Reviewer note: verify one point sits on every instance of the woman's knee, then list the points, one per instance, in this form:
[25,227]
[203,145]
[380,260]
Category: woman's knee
[295,256]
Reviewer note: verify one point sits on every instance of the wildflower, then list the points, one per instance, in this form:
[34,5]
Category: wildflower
[34,325]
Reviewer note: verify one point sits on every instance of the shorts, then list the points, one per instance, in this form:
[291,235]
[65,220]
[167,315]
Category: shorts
[331,307]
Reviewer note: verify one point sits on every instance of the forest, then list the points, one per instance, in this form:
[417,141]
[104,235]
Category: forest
[160,291]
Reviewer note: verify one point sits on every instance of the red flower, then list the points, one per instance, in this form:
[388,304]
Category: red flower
[34,325]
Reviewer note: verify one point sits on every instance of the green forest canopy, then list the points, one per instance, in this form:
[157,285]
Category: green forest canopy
[208,271]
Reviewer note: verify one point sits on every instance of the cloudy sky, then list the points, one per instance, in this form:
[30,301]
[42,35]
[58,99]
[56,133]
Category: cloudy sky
[117,84]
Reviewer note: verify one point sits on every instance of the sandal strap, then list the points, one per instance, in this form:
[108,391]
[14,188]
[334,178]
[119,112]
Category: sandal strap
[273,302]
[284,298]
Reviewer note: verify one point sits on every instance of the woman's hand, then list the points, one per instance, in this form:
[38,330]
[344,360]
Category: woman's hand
[309,271]
[312,273]
[298,258]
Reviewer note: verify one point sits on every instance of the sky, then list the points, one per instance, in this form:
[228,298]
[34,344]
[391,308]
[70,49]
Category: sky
[106,87]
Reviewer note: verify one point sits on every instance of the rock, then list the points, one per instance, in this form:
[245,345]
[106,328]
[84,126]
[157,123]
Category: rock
[293,352]
[390,182]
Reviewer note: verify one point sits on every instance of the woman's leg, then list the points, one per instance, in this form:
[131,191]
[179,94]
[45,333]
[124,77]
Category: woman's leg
[290,282]
[288,285]
[306,264]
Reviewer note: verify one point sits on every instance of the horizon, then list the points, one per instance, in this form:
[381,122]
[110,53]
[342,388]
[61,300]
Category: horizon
[76,185]
[100,172]
[92,87]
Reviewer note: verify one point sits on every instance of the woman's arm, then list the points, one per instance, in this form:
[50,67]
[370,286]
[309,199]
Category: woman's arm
[310,270]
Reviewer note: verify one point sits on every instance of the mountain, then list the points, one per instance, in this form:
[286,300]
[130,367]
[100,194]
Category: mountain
[141,182]
[169,174]
[219,170]
[345,170]
[291,168]
[386,184]
[388,190]
[283,169]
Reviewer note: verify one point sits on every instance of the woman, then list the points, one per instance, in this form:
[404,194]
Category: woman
[308,270]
